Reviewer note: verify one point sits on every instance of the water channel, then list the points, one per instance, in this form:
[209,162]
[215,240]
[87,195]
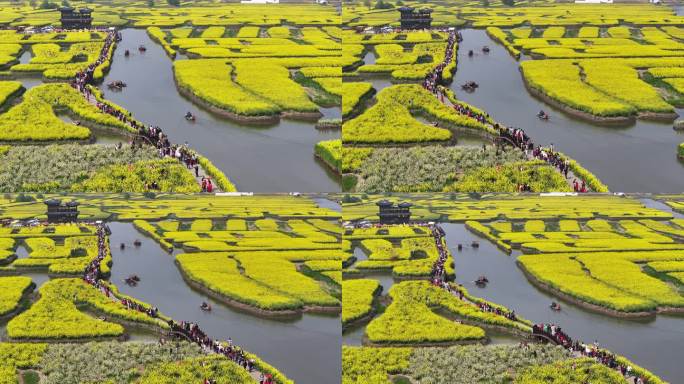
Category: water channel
[653,343]
[259,159]
[307,350]
[638,158]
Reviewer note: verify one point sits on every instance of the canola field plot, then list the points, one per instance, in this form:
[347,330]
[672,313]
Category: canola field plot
[615,73]
[60,250]
[675,202]
[54,362]
[599,262]
[402,55]
[62,313]
[55,56]
[393,119]
[36,118]
[267,266]
[203,13]
[461,207]
[455,13]
[608,254]
[301,64]
[539,363]
[411,256]
[66,301]
[413,312]
[46,114]
[132,206]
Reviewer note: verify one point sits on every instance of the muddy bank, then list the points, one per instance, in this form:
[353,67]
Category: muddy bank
[323,125]
[245,119]
[327,164]
[279,314]
[304,116]
[665,117]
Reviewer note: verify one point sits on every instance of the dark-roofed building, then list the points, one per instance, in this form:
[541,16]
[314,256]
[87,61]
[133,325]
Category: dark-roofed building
[394,214]
[412,18]
[76,18]
[57,212]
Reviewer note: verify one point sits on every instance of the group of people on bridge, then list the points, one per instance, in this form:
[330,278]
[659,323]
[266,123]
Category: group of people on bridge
[557,336]
[150,135]
[190,331]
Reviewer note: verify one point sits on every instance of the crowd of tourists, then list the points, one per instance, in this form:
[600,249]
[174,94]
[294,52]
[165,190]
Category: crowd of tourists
[561,163]
[150,135]
[433,80]
[521,140]
[434,77]
[86,76]
[602,356]
[551,331]
[469,112]
[516,136]
[191,331]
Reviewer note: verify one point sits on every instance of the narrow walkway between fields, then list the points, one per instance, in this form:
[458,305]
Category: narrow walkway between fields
[187,330]
[516,137]
[143,134]
[547,332]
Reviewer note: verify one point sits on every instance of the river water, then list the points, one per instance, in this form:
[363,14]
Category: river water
[638,158]
[276,158]
[307,350]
